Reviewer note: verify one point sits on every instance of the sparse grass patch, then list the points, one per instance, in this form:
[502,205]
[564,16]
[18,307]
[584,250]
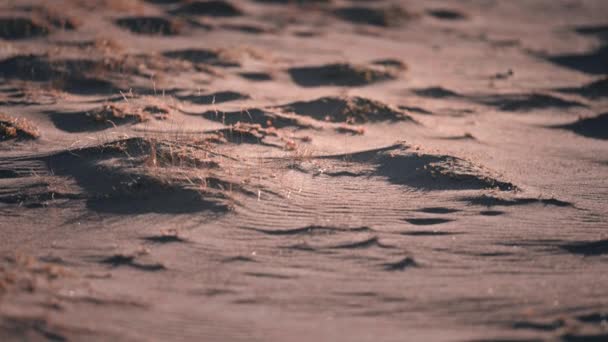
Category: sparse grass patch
[378,16]
[116,112]
[23,272]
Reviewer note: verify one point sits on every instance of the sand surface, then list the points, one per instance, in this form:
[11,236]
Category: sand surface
[275,170]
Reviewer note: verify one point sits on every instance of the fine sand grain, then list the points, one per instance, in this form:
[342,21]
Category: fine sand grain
[303,170]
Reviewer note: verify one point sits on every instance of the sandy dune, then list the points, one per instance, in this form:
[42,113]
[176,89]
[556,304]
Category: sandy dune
[325,170]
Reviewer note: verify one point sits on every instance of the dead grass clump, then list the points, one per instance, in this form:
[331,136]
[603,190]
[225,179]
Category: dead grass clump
[17,128]
[349,110]
[22,272]
[104,45]
[166,153]
[117,113]
[360,110]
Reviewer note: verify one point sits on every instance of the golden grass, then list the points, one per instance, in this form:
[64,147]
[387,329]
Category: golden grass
[17,128]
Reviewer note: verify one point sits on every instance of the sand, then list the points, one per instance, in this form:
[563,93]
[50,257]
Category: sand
[333,170]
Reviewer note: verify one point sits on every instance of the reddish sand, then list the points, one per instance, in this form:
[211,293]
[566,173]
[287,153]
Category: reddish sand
[275,170]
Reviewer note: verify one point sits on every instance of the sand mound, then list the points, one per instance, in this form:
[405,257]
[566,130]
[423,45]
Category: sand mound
[435,92]
[110,115]
[338,75]
[594,127]
[85,76]
[38,21]
[528,102]
[253,116]
[446,14]
[136,175]
[205,56]
[355,110]
[150,25]
[594,90]
[401,165]
[72,75]
[217,97]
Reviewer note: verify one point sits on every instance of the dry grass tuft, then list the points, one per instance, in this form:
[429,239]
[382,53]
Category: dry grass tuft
[135,110]
[118,112]
[24,272]
[17,128]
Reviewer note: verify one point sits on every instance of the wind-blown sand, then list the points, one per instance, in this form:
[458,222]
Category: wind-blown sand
[303,170]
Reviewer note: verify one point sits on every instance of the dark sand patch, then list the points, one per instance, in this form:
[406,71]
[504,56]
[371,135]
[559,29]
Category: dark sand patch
[427,233]
[436,92]
[528,102]
[491,212]
[264,118]
[376,16]
[594,127]
[446,14]
[401,265]
[587,248]
[150,25]
[427,221]
[311,230]
[592,62]
[212,8]
[119,260]
[256,76]
[491,201]
[417,110]
[108,116]
[345,75]
[165,238]
[594,90]
[77,76]
[438,210]
[217,97]
[135,176]
[22,28]
[251,29]
[205,56]
[400,165]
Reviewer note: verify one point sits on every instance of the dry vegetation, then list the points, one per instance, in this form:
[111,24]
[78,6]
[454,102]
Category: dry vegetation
[22,272]
[17,128]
